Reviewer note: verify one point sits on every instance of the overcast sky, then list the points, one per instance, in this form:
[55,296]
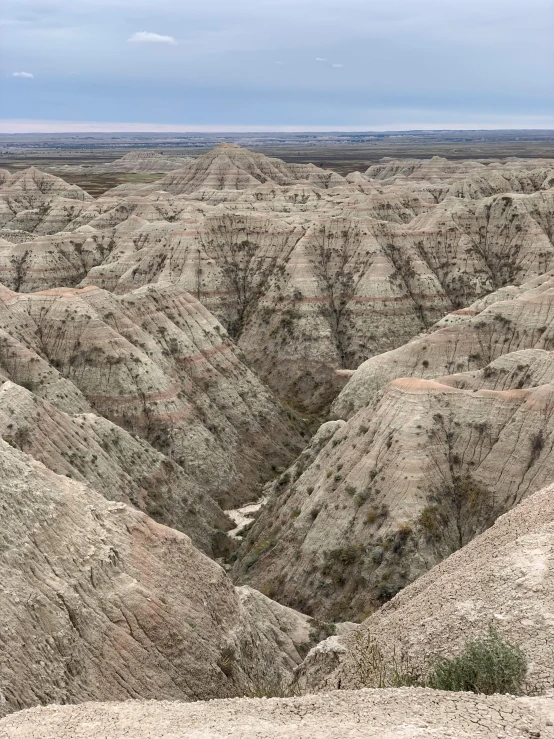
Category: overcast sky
[263,64]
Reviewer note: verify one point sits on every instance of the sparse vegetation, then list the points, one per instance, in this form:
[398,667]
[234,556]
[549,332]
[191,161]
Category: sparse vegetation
[456,512]
[487,664]
[226,661]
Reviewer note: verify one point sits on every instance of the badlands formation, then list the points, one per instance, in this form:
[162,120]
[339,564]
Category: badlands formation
[133,162]
[503,577]
[166,350]
[307,270]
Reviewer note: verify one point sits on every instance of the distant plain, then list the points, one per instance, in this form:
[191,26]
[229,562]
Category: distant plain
[341,152]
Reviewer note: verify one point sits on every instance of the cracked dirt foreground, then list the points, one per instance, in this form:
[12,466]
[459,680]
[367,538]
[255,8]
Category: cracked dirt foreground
[379,714]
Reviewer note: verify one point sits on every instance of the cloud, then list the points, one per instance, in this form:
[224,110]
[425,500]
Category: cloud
[447,60]
[337,66]
[27,75]
[146,37]
[279,62]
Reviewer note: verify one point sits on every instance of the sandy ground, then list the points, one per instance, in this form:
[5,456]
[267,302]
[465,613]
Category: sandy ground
[375,714]
[243,516]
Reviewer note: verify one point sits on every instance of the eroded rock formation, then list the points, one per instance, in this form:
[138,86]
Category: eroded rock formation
[307,270]
[158,364]
[502,579]
[98,601]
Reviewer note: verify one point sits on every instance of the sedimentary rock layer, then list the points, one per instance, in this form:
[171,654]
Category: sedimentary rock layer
[307,270]
[159,365]
[98,601]
[502,579]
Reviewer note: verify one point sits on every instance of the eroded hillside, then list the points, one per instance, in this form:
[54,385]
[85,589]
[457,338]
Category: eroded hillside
[310,272]
[501,579]
[100,602]
[157,364]
[165,350]
[420,462]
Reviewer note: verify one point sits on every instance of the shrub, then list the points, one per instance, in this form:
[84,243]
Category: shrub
[386,590]
[283,480]
[226,660]
[537,444]
[346,556]
[486,665]
[456,512]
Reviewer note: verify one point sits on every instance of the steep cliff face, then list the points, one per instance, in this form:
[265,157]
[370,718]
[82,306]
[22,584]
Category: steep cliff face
[99,602]
[156,363]
[502,578]
[318,296]
[425,460]
[131,327]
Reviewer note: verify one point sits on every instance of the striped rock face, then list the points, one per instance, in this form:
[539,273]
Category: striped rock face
[503,579]
[310,272]
[100,602]
[158,364]
[406,481]
[148,339]
[461,414]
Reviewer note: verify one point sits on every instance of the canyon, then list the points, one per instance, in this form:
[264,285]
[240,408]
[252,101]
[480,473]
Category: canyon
[258,420]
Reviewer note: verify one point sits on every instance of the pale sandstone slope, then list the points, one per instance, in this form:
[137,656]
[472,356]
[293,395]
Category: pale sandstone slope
[380,714]
[134,162]
[319,296]
[123,467]
[322,279]
[503,578]
[440,169]
[506,321]
[343,530]
[469,400]
[156,363]
[27,197]
[100,602]
[32,187]
[231,167]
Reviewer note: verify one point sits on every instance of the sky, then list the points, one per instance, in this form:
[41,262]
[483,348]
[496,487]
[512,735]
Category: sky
[177,65]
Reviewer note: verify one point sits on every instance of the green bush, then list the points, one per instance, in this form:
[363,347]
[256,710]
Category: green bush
[487,665]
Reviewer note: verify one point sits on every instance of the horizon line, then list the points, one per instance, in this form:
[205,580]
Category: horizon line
[27,126]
